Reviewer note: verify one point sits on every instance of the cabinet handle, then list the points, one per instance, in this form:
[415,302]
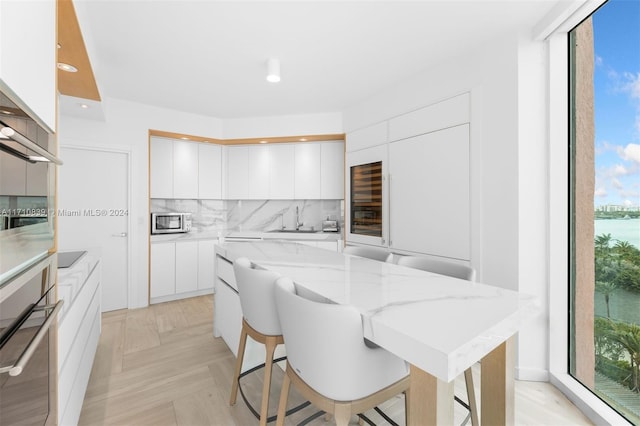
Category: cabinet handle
[17,368]
[122,234]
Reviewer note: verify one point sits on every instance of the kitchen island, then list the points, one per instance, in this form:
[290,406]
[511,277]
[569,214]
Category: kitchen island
[440,325]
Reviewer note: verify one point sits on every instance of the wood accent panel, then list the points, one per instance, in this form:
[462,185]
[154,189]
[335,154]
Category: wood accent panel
[430,400]
[72,51]
[497,395]
[248,141]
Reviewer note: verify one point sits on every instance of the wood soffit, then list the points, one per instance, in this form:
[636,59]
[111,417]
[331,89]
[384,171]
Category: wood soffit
[248,141]
[72,51]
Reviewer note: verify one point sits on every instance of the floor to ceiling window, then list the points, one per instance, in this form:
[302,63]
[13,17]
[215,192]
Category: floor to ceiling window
[605,205]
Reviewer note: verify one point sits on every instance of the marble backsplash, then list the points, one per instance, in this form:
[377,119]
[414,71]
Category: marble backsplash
[251,215]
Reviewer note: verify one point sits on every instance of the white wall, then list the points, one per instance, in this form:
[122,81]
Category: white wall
[290,125]
[508,166]
[126,126]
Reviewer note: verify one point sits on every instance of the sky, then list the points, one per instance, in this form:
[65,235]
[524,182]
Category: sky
[616,32]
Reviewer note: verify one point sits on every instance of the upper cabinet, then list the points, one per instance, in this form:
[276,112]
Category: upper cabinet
[28,55]
[281,171]
[307,171]
[185,170]
[209,171]
[284,171]
[332,170]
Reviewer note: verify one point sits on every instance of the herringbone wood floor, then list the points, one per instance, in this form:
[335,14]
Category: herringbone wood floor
[161,365]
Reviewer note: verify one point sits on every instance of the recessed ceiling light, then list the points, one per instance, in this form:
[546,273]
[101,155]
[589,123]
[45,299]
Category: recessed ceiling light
[184,138]
[4,111]
[83,106]
[303,139]
[263,141]
[273,70]
[59,45]
[67,67]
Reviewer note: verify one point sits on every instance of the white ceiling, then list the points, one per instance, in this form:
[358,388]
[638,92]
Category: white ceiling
[209,57]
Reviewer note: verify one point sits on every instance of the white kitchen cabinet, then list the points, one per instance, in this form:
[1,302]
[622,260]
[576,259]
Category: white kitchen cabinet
[429,193]
[238,172]
[163,269]
[209,171]
[206,264]
[28,55]
[441,115]
[181,269]
[332,170]
[281,171]
[185,170]
[161,165]
[367,137]
[307,171]
[259,162]
[186,266]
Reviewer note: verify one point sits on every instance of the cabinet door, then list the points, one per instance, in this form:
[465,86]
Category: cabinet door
[209,171]
[206,264]
[332,171]
[281,171]
[186,266]
[28,54]
[163,269]
[185,170]
[238,172]
[429,193]
[307,171]
[259,160]
[161,155]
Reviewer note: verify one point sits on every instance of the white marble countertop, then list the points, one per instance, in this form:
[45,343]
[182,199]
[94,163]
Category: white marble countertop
[440,324]
[258,235]
[71,280]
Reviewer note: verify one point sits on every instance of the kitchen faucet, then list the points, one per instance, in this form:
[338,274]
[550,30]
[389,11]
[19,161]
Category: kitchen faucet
[298,223]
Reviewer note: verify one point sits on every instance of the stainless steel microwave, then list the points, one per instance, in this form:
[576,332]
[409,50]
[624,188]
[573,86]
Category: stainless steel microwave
[169,223]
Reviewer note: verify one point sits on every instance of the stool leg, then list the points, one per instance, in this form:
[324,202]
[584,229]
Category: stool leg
[342,413]
[284,396]
[471,397]
[270,347]
[238,370]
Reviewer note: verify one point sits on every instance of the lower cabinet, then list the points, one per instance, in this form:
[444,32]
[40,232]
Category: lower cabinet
[181,269]
[78,334]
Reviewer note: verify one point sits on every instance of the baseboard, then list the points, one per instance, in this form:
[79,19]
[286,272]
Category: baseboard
[532,374]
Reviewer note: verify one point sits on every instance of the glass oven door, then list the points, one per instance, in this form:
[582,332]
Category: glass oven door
[27,347]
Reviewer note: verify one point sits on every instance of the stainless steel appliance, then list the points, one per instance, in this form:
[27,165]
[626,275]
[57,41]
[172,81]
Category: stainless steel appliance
[27,181]
[169,223]
[330,225]
[28,363]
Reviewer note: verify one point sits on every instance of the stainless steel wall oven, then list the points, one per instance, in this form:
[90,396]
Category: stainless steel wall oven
[28,359]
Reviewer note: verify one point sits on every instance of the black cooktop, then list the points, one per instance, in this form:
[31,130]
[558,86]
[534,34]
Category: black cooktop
[68,258]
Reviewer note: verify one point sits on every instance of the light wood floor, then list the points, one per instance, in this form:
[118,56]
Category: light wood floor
[161,365]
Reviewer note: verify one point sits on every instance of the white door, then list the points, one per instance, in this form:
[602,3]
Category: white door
[95,185]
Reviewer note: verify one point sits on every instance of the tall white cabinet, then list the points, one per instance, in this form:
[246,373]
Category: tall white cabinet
[425,155]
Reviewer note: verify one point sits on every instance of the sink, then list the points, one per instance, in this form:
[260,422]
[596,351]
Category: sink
[294,231]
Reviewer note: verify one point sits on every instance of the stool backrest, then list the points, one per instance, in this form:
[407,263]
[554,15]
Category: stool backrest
[442,267]
[255,288]
[325,346]
[374,253]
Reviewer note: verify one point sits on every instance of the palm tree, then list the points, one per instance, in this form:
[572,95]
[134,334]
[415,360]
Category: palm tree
[625,250]
[606,288]
[628,335]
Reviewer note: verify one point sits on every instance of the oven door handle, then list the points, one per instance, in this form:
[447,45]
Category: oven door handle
[17,368]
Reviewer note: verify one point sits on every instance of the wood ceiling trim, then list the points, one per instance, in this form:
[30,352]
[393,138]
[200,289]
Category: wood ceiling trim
[249,141]
[72,51]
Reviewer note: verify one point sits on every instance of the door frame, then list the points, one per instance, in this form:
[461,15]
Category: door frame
[115,149]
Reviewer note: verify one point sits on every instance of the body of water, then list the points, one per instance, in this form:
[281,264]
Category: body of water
[620,229]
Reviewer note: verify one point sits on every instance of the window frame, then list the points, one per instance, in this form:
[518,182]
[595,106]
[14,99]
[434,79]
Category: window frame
[559,253]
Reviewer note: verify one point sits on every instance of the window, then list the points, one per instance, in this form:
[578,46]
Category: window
[604,343]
